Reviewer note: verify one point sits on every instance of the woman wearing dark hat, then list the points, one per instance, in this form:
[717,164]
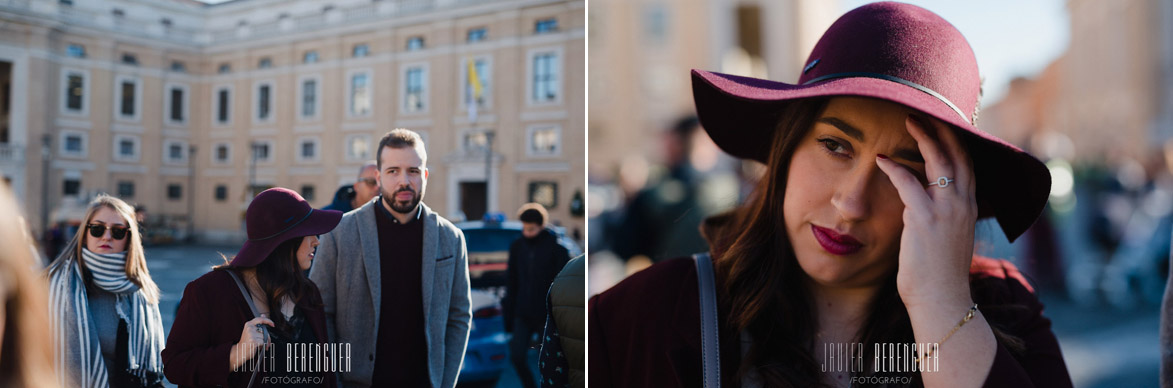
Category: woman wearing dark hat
[218,340]
[853,264]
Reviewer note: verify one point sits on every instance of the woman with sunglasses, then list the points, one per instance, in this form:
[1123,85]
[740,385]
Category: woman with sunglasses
[217,340]
[104,305]
[853,263]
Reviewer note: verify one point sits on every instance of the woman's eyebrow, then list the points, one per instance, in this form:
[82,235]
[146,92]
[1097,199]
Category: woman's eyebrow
[847,129]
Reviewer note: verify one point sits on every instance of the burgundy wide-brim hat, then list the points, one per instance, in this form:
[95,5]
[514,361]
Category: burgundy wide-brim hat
[895,52]
[275,216]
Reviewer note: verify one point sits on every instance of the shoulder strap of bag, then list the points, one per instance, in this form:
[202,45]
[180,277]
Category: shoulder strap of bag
[710,344]
[251,306]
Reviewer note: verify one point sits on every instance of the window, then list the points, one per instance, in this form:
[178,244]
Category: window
[415,90]
[656,23]
[174,192]
[221,153]
[310,57]
[75,92]
[176,104]
[126,102]
[75,51]
[544,81]
[477,34]
[178,67]
[71,186]
[222,106]
[476,141]
[176,152]
[360,94]
[544,141]
[415,43]
[221,193]
[307,192]
[479,90]
[125,189]
[360,50]
[225,68]
[309,149]
[73,144]
[129,59]
[65,2]
[543,26]
[126,148]
[264,102]
[265,63]
[544,193]
[309,98]
[358,147]
[261,151]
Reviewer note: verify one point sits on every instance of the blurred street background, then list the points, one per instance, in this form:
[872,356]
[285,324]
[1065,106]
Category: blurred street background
[1083,85]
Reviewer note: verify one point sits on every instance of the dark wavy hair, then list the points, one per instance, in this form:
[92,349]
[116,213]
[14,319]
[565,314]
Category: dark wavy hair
[280,276]
[761,285]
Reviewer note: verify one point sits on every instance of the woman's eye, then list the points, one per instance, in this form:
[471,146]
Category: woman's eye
[835,147]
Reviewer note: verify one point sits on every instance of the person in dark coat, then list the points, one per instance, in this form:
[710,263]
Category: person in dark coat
[216,339]
[853,262]
[534,261]
[350,197]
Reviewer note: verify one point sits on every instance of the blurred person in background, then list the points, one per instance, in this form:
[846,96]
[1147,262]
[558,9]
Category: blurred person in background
[534,261]
[350,197]
[216,337]
[861,231]
[104,306]
[661,219]
[26,357]
[563,356]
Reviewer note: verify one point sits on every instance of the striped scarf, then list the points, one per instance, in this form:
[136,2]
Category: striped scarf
[79,355]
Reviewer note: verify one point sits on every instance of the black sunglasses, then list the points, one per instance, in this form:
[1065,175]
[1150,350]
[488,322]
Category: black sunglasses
[117,232]
[369,181]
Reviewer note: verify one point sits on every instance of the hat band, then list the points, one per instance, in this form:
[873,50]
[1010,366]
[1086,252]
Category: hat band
[898,80]
[307,215]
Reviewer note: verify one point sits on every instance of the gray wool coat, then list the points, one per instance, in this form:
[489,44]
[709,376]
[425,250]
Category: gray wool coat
[346,270]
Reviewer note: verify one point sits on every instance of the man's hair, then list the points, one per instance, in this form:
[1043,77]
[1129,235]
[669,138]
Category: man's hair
[401,138]
[533,213]
[368,164]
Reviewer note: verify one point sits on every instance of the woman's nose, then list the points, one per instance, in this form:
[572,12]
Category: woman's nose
[854,191]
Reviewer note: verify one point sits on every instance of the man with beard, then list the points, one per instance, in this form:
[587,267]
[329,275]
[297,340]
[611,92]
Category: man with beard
[403,329]
[534,261]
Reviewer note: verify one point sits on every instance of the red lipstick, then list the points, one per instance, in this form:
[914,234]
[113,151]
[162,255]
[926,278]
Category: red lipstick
[834,242]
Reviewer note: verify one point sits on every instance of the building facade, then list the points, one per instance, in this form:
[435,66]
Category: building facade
[190,109]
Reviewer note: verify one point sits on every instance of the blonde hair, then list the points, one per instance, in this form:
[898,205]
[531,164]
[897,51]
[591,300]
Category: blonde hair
[136,261]
[26,357]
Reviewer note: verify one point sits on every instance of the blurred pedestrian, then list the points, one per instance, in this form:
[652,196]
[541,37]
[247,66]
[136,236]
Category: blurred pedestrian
[350,197]
[862,232]
[216,336]
[394,276]
[25,345]
[661,220]
[104,305]
[534,261]
[562,359]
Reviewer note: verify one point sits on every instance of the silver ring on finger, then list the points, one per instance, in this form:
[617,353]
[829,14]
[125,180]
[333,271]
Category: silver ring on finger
[942,182]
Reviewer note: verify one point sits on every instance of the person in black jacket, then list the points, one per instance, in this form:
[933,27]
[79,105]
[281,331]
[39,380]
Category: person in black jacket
[350,197]
[534,261]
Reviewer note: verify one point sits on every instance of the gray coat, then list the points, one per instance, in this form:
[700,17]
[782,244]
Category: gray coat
[346,270]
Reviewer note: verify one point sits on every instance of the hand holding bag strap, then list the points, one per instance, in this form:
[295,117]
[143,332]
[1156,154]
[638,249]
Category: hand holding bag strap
[710,343]
[251,306]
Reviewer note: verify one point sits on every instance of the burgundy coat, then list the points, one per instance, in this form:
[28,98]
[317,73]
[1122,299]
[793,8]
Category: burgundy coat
[207,325]
[645,331]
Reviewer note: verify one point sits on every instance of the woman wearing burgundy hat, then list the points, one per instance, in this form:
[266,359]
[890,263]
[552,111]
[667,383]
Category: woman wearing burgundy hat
[218,339]
[853,263]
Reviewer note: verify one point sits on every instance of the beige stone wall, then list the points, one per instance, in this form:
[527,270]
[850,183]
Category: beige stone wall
[39,54]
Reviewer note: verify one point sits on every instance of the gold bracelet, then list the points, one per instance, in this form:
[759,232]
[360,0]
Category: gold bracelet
[968,316]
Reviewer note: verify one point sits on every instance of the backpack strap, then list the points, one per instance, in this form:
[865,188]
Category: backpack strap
[251,306]
[710,343]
